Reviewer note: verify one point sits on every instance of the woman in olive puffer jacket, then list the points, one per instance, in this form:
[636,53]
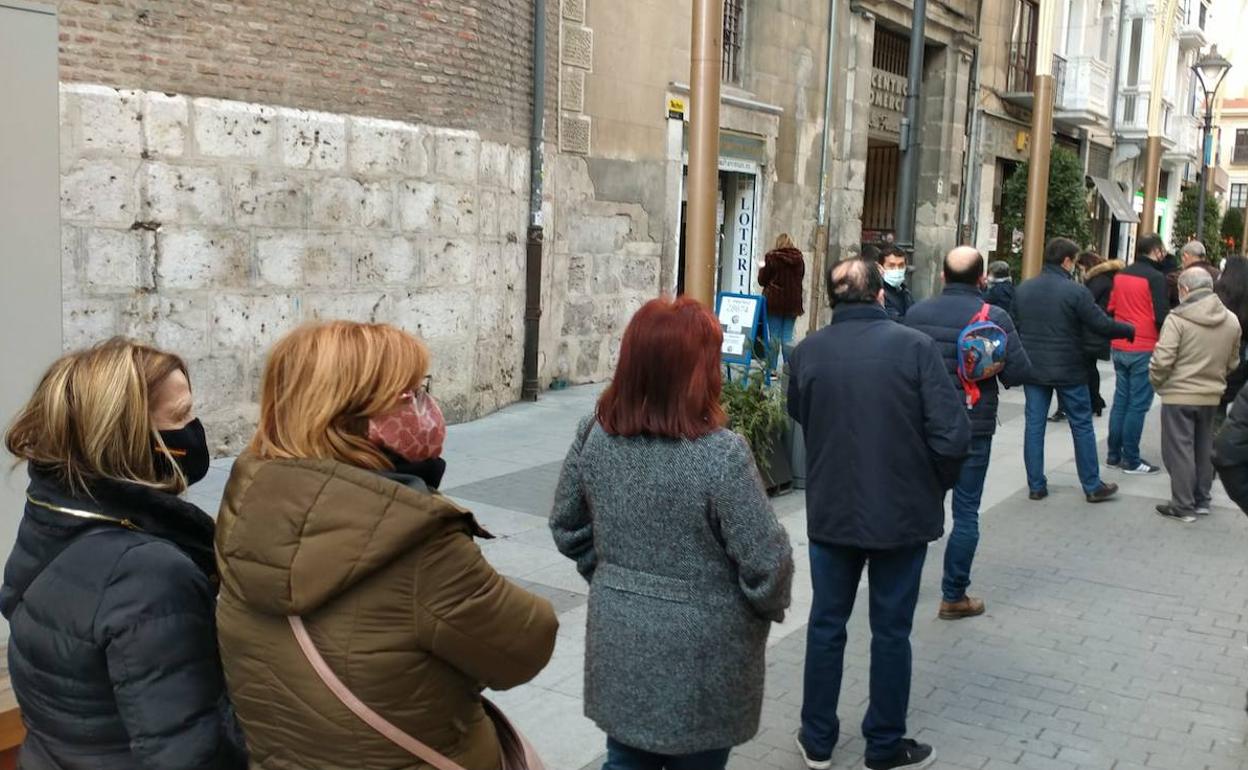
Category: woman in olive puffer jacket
[332,517]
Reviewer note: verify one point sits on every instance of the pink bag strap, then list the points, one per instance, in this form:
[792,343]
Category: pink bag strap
[357,706]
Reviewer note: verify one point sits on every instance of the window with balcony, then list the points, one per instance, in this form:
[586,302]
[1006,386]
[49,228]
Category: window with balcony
[734,37]
[1130,98]
[1022,69]
[1238,198]
[1241,146]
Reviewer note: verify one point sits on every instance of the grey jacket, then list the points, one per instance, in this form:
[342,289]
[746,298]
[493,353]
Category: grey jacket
[687,567]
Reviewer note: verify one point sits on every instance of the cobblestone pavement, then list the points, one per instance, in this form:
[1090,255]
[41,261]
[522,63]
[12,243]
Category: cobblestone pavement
[1113,639]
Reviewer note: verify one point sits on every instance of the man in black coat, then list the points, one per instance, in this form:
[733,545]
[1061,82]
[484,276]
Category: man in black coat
[895,268]
[1054,316]
[943,318]
[886,434]
[1230,451]
[1000,289]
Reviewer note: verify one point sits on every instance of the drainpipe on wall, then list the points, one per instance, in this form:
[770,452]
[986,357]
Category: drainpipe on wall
[972,169]
[533,242]
[911,134]
[821,228]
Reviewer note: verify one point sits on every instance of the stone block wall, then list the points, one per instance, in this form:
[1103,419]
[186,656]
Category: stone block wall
[211,227]
[604,264]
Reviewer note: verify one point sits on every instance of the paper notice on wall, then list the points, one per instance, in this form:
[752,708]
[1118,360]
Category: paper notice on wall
[993,230]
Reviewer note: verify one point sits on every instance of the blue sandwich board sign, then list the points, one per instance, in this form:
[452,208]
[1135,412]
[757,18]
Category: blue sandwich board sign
[743,318]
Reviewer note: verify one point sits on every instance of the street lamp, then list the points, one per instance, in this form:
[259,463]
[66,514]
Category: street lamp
[1210,70]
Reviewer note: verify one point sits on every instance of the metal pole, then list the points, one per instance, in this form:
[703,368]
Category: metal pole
[1152,150]
[706,62]
[1204,170]
[907,187]
[1037,207]
[533,243]
[821,225]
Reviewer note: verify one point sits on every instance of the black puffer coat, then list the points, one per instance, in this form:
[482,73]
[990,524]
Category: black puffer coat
[113,646]
[1054,314]
[943,318]
[1100,281]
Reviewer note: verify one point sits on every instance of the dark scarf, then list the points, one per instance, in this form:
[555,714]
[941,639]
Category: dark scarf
[154,512]
[429,472]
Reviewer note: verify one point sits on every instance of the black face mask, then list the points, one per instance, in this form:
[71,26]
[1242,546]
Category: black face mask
[188,447]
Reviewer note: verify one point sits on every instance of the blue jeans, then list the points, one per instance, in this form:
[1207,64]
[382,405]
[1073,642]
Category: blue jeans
[1133,395]
[1078,405]
[780,328]
[963,540]
[893,587]
[621,757]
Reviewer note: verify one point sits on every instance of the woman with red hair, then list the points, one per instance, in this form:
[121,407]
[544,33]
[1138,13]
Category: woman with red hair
[665,515]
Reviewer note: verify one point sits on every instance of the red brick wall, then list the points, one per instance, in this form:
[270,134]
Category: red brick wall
[453,63]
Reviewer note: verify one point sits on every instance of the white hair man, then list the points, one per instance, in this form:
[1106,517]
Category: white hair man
[1197,349]
[1192,254]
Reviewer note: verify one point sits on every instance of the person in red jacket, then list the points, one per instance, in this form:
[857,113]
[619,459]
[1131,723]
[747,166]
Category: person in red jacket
[1139,298]
[781,278]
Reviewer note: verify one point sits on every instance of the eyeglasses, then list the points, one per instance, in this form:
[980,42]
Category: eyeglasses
[427,384]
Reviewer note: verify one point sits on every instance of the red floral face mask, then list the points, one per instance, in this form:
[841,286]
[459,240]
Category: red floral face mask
[414,430]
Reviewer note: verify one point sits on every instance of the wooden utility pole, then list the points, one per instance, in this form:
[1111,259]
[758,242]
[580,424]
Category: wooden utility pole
[702,237]
[1041,145]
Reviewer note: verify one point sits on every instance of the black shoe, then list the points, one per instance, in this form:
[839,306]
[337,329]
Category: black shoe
[1174,514]
[1143,469]
[1058,416]
[1037,494]
[1102,493]
[1113,462]
[909,754]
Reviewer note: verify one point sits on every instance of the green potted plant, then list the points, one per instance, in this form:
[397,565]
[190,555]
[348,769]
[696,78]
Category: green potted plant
[755,409]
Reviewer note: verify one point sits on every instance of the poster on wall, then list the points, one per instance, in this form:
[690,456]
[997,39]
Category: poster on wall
[740,316]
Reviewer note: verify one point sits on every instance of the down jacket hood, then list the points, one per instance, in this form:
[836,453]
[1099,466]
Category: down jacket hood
[1110,266]
[303,532]
[1202,307]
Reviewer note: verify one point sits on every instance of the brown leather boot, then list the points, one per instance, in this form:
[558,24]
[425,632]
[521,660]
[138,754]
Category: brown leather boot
[967,607]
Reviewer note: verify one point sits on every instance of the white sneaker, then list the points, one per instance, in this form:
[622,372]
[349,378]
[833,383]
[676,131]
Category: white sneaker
[813,764]
[1202,510]
[1143,469]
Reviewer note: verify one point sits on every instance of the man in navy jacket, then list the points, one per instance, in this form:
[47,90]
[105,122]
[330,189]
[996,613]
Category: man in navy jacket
[943,318]
[1054,315]
[886,433]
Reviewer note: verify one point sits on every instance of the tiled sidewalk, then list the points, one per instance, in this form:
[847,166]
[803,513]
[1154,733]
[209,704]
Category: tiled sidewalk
[1113,639]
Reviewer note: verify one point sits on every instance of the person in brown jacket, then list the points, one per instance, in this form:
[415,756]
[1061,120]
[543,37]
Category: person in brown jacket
[1197,349]
[326,517]
[781,278]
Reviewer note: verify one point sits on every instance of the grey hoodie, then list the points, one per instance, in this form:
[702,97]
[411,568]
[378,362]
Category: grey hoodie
[1198,347]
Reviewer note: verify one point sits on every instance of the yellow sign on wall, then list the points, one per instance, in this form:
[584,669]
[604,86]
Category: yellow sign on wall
[676,108]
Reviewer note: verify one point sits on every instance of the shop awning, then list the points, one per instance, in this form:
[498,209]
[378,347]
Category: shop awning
[1117,200]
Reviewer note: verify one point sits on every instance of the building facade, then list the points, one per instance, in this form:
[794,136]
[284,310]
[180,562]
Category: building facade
[1083,44]
[232,170]
[1182,104]
[1232,157]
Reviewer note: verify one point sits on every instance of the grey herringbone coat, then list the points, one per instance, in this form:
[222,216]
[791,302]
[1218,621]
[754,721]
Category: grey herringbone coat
[687,567]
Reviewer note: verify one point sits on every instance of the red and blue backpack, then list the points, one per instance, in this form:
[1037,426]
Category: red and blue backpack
[981,353]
